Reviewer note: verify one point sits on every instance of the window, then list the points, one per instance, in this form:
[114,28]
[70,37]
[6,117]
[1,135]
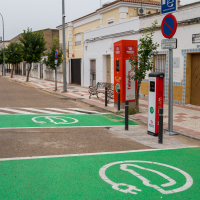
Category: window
[110,20]
[78,39]
[160,63]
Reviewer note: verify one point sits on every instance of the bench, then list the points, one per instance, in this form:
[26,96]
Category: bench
[100,88]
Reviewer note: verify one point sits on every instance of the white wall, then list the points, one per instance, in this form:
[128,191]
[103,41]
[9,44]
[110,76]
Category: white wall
[99,49]
[183,35]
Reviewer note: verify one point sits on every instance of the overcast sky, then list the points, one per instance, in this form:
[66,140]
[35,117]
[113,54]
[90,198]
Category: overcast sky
[42,14]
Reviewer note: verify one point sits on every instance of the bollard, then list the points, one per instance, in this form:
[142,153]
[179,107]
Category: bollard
[160,133]
[126,115]
[106,92]
[118,99]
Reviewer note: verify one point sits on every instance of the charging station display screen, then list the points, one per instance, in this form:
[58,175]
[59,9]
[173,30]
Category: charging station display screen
[152,86]
[117,65]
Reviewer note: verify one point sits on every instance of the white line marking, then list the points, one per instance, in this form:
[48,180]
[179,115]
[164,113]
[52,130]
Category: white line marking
[61,110]
[90,154]
[64,127]
[62,119]
[42,111]
[16,111]
[2,113]
[87,111]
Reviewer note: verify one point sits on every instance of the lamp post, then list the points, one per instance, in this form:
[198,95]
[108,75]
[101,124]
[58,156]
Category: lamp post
[3,48]
[64,48]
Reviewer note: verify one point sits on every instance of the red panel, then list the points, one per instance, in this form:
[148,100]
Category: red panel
[123,49]
[159,100]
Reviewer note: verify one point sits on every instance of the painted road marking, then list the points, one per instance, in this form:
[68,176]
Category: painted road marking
[50,121]
[42,111]
[77,176]
[47,111]
[85,111]
[2,113]
[131,188]
[62,119]
[16,111]
[61,110]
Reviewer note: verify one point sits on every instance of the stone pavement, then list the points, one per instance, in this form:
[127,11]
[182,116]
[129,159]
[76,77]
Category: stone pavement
[186,118]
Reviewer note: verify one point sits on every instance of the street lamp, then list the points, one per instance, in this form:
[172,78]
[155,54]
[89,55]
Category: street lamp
[64,48]
[3,48]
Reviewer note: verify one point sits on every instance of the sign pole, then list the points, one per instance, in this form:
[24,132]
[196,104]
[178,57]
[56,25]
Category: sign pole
[168,28]
[64,48]
[56,63]
[56,79]
[170,105]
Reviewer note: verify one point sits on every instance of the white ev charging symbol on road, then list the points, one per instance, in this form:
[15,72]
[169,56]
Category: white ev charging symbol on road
[133,189]
[54,120]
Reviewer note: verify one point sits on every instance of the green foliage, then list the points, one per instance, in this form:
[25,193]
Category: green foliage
[1,56]
[146,49]
[34,45]
[14,53]
[131,111]
[142,62]
[50,60]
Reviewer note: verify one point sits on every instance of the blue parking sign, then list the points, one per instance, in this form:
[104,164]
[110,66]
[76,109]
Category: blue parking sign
[168,6]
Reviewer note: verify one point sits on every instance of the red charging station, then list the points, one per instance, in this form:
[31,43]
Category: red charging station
[123,49]
[156,98]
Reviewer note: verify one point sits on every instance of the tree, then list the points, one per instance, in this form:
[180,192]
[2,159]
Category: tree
[50,60]
[14,54]
[142,62]
[1,59]
[2,50]
[34,45]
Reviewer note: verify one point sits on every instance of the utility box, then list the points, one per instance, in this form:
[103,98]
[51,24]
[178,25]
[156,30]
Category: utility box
[156,98]
[123,50]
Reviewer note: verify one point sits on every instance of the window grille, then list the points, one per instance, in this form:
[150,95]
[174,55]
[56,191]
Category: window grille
[78,40]
[160,63]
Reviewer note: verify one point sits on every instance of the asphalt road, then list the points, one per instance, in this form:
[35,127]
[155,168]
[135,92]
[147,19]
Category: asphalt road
[54,141]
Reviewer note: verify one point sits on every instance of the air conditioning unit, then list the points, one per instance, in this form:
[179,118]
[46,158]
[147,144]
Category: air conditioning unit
[141,11]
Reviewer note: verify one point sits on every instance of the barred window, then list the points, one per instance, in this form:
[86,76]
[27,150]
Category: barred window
[78,39]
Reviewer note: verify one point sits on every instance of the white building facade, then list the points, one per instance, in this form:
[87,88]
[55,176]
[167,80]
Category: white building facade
[99,56]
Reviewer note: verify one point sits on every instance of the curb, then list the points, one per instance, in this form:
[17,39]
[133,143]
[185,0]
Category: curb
[131,117]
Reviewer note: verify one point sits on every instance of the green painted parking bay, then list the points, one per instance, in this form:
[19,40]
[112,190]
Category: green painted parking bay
[147,175]
[63,120]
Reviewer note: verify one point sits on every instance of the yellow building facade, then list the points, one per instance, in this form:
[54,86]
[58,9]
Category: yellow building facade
[109,13]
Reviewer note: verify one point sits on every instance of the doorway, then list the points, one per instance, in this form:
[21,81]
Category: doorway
[195,79]
[108,69]
[92,72]
[76,71]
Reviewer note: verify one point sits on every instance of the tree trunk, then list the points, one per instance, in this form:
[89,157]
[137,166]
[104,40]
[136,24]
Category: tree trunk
[27,78]
[137,109]
[12,70]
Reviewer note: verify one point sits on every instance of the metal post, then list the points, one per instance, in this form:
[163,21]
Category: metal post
[170,105]
[3,48]
[160,133]
[106,94]
[56,79]
[64,48]
[126,115]
[118,99]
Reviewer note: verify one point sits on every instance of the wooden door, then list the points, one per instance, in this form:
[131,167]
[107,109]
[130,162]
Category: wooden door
[195,79]
[108,69]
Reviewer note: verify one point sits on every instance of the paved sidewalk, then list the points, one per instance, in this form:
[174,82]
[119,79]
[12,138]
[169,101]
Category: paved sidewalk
[186,118]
